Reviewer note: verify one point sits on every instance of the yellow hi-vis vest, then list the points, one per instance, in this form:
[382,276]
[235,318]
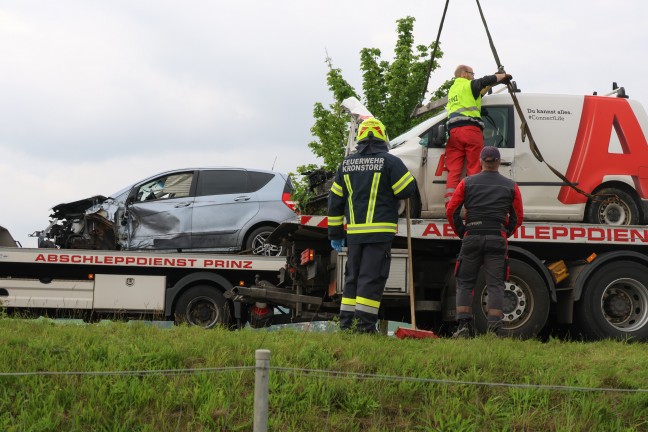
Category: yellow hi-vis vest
[461,101]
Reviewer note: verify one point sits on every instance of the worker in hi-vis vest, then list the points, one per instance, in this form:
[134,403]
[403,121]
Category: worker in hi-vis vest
[366,190]
[465,125]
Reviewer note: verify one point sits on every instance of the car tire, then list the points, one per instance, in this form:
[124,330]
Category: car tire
[257,245]
[613,207]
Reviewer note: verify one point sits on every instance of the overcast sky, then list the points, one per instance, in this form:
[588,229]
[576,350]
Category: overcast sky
[96,95]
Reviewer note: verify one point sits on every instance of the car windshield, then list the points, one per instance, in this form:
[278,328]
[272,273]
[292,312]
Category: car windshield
[417,130]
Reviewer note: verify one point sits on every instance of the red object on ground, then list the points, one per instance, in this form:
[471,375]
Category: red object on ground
[404,333]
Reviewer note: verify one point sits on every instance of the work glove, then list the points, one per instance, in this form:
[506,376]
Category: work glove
[508,79]
[337,244]
[460,231]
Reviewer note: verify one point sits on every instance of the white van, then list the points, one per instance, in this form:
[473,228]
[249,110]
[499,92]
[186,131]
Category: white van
[597,142]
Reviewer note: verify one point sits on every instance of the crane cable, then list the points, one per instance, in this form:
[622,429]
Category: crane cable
[525,127]
[429,73]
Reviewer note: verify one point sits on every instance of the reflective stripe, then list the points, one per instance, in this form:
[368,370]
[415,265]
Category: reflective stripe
[347,181]
[371,228]
[367,305]
[348,301]
[348,304]
[337,189]
[403,182]
[368,302]
[335,220]
[463,110]
[371,207]
[347,308]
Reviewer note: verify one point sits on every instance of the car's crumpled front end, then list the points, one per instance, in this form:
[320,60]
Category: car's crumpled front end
[89,223]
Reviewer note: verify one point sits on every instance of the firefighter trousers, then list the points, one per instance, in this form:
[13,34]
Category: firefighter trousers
[366,272]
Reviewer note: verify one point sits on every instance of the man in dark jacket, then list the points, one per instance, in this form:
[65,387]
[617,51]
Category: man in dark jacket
[493,212]
[366,190]
[464,124]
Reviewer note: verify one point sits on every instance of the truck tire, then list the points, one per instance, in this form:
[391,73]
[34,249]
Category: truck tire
[613,207]
[203,306]
[257,244]
[526,302]
[614,304]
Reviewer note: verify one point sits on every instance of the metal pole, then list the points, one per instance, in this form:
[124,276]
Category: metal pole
[261,386]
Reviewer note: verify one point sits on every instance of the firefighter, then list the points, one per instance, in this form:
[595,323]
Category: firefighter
[464,124]
[366,190]
[493,212]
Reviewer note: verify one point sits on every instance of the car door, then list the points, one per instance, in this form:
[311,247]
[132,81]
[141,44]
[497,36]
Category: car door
[498,132]
[159,212]
[223,206]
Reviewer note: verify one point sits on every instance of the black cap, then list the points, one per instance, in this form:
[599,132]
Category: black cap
[489,154]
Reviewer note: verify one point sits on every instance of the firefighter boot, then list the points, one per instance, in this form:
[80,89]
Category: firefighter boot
[465,329]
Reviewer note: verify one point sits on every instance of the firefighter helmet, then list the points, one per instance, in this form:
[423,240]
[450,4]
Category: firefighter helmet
[371,128]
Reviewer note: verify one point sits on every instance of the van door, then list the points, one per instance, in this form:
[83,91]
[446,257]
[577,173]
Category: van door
[223,206]
[159,213]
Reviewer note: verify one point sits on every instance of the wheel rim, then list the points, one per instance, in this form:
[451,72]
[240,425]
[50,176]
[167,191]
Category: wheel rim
[203,312]
[614,212]
[625,304]
[517,304]
[260,245]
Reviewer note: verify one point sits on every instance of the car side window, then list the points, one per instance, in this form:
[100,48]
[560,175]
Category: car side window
[171,186]
[258,179]
[221,182]
[498,126]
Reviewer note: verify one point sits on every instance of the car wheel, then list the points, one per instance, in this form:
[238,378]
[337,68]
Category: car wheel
[258,245]
[612,206]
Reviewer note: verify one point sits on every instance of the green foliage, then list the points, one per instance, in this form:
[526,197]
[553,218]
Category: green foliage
[391,92]
[406,385]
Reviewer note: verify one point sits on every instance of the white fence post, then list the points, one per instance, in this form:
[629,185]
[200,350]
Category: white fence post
[261,386]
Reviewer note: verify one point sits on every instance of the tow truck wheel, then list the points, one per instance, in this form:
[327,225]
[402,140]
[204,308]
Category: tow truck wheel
[257,242]
[203,306]
[526,302]
[615,302]
[612,206]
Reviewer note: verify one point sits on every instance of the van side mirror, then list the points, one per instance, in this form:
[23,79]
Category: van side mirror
[439,136]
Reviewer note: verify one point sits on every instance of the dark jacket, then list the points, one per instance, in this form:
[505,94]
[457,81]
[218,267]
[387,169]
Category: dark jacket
[493,204]
[366,190]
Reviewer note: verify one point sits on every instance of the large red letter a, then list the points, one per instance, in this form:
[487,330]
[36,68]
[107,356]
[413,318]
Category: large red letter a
[590,160]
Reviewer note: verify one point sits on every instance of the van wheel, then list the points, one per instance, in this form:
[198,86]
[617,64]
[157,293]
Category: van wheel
[203,306]
[526,302]
[612,206]
[258,244]
[615,302]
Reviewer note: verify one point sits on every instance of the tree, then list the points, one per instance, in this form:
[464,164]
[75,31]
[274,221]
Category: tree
[391,92]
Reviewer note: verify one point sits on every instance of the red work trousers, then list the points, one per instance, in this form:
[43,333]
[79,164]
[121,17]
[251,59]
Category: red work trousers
[465,145]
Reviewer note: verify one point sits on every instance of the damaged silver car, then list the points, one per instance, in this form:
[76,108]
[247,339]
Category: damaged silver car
[199,209]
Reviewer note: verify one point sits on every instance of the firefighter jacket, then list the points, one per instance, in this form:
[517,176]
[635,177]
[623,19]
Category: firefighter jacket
[366,190]
[464,101]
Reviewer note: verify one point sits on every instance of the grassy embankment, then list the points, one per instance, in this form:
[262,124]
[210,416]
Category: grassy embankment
[301,401]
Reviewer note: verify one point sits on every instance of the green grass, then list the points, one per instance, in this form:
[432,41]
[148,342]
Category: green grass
[310,401]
